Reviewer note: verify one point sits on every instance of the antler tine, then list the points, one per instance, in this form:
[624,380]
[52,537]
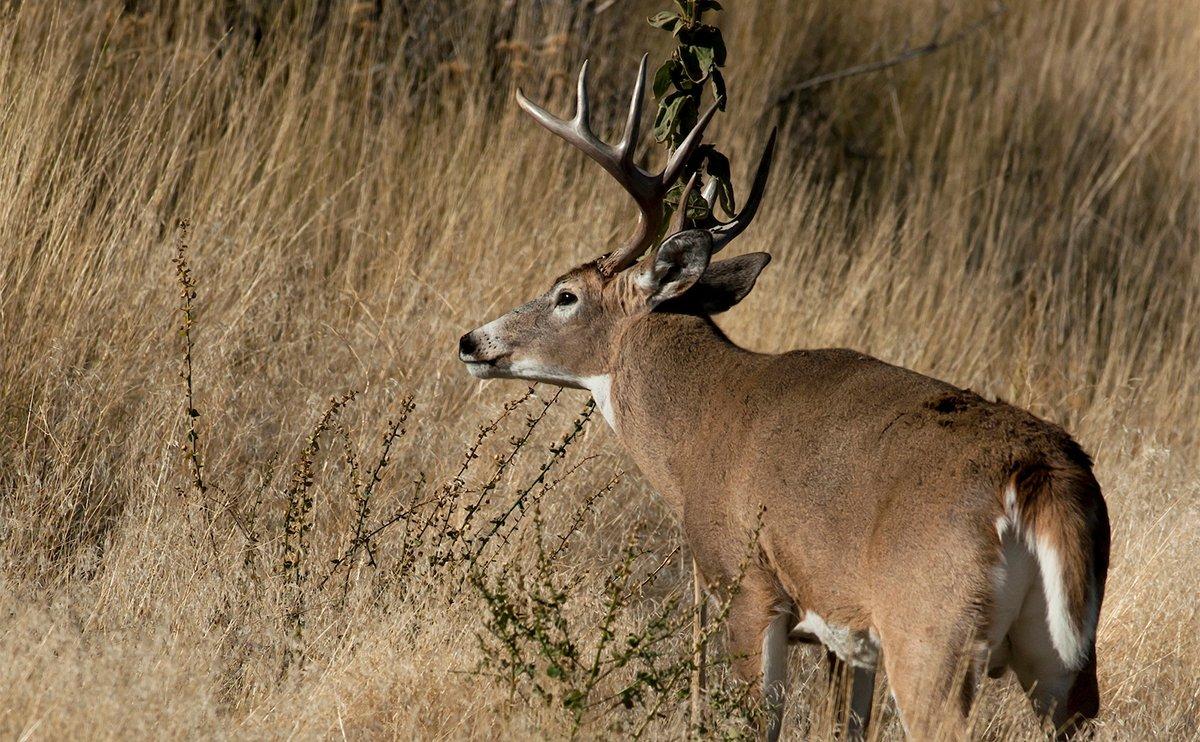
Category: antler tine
[681,155]
[724,233]
[633,120]
[575,131]
[710,194]
[679,218]
[582,106]
[651,202]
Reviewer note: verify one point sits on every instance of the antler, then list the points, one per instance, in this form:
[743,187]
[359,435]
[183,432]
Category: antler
[724,232]
[679,218]
[646,189]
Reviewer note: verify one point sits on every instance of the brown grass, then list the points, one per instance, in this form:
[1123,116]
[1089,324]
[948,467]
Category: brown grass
[1019,214]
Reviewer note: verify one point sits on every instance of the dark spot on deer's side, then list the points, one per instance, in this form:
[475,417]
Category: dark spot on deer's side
[950,407]
[948,404]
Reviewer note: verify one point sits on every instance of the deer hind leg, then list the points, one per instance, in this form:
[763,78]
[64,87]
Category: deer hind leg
[759,620]
[933,672]
[1058,692]
[854,716]
[862,698]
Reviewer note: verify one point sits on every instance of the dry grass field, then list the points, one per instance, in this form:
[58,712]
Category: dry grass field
[1018,213]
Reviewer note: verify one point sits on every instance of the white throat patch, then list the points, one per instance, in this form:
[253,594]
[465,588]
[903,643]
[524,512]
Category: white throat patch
[601,389]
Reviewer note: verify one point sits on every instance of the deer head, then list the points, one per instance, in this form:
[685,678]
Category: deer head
[564,336]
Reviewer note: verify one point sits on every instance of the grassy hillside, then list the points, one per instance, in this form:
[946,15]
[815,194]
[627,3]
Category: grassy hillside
[1018,213]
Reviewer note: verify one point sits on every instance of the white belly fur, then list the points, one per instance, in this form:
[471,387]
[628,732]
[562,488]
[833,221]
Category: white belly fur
[856,648]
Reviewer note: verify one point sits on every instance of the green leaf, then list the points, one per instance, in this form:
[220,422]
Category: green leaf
[664,77]
[576,699]
[665,20]
[706,5]
[708,37]
[704,58]
[680,78]
[666,120]
[725,195]
[686,119]
[718,84]
[718,45]
[691,64]
[697,207]
[716,165]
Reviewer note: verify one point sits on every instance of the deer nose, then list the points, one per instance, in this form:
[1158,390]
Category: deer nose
[466,346]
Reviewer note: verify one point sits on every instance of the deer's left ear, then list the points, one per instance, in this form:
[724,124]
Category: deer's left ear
[675,267]
[725,283]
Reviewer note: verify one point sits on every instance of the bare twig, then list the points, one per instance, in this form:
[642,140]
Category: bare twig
[654,572]
[699,645]
[365,541]
[502,463]
[187,293]
[581,513]
[556,453]
[935,44]
[213,498]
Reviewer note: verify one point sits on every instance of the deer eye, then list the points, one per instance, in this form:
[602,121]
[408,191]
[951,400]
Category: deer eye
[565,299]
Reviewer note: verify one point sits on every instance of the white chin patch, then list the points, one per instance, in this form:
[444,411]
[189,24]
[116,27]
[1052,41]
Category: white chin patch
[481,370]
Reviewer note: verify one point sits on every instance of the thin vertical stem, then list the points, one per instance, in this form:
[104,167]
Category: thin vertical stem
[699,654]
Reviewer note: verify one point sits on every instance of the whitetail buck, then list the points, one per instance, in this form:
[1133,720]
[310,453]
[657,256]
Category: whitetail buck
[905,519]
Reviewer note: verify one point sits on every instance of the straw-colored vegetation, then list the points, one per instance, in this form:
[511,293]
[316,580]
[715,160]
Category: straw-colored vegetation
[1018,213]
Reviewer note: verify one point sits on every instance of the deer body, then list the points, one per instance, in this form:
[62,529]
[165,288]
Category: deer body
[883,490]
[903,520]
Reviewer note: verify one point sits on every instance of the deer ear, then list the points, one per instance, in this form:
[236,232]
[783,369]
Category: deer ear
[725,283]
[675,267]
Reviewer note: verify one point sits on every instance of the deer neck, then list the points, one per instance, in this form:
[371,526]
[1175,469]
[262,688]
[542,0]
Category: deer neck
[672,373]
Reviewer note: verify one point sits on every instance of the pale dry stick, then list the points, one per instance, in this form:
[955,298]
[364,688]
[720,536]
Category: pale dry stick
[699,645]
[935,44]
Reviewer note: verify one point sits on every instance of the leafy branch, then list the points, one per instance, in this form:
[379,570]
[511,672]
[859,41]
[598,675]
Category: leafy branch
[679,85]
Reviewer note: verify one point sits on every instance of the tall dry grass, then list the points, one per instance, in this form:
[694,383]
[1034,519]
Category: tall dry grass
[1019,213]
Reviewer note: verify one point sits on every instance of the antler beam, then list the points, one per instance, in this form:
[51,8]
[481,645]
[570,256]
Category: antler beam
[647,190]
[724,232]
